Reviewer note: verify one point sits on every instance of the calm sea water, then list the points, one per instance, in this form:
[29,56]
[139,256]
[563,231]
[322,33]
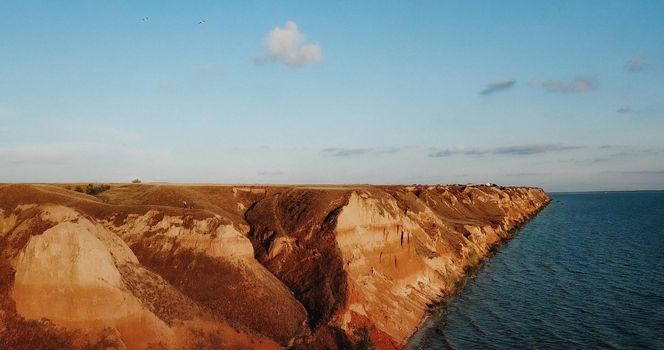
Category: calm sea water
[586,273]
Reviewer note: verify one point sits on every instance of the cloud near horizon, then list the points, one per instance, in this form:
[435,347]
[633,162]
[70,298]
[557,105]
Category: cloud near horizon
[627,153]
[638,172]
[496,86]
[288,45]
[635,64]
[578,85]
[64,153]
[8,112]
[522,174]
[347,152]
[269,173]
[509,150]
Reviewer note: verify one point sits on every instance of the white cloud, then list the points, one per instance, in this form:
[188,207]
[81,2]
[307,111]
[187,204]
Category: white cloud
[578,85]
[288,45]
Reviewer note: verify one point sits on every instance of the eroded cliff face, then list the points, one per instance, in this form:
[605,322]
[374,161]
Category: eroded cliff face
[368,262]
[405,250]
[240,267]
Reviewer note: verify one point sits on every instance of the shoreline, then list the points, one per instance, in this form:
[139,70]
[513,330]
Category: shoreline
[439,308]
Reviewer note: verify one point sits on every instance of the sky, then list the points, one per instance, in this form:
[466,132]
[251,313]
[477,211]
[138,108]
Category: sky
[565,95]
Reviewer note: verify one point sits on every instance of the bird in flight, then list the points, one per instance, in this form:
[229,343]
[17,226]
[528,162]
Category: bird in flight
[145,19]
[201,22]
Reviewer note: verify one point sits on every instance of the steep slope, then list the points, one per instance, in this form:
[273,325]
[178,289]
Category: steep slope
[171,266]
[406,250]
[367,262]
[70,266]
[293,236]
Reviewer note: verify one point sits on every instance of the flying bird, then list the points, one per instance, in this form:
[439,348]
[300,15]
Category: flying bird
[201,22]
[145,19]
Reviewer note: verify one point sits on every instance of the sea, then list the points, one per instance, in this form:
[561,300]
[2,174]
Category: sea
[586,273]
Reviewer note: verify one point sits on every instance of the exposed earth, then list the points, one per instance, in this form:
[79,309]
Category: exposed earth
[152,266]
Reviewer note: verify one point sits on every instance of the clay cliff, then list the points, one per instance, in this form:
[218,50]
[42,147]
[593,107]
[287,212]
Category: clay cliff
[240,266]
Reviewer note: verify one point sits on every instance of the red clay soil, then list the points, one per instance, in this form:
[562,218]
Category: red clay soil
[314,271]
[230,291]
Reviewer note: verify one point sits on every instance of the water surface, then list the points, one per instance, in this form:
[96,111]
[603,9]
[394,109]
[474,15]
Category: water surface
[586,273]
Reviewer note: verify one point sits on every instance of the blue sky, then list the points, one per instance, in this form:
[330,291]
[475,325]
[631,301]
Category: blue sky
[567,95]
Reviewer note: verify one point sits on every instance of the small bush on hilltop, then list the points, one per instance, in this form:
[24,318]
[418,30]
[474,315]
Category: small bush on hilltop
[93,190]
[136,181]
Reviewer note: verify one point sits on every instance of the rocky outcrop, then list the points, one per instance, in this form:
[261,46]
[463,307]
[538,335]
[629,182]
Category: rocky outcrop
[240,267]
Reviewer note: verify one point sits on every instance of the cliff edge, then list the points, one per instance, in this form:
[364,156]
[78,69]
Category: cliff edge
[170,266]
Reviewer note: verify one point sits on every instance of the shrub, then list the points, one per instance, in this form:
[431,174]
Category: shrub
[136,181]
[94,190]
